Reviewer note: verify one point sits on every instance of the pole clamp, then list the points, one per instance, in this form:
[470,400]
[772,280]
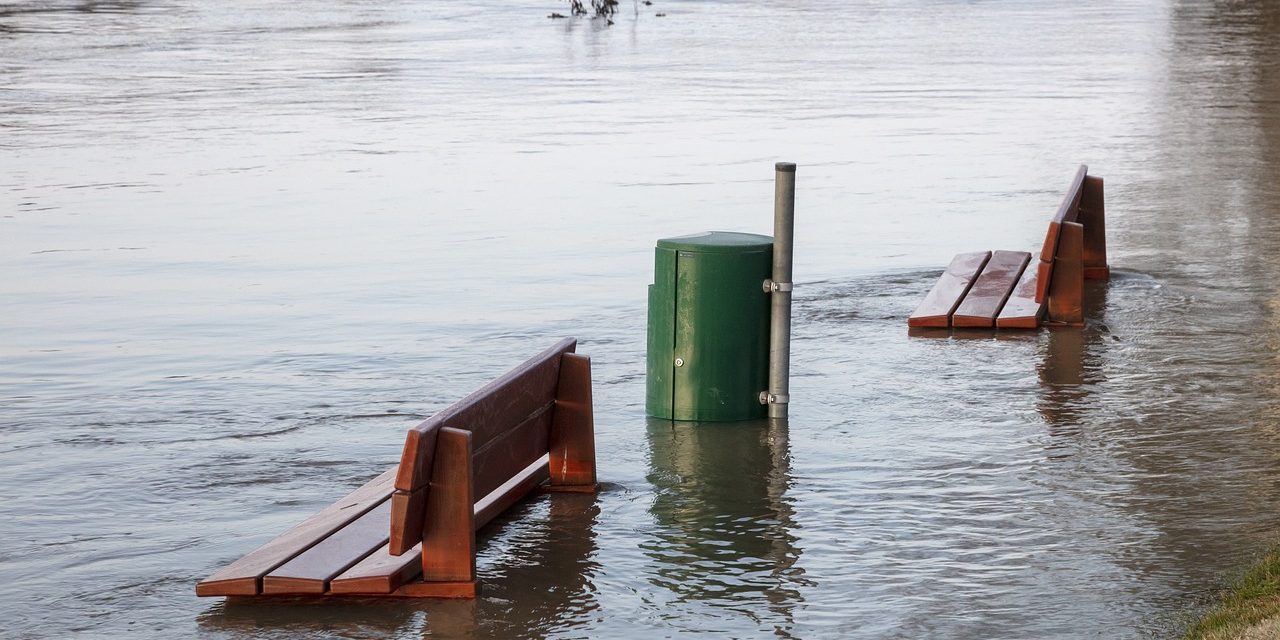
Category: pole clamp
[770,286]
[774,398]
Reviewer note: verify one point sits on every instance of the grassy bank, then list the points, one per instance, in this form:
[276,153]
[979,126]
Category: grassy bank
[1249,610]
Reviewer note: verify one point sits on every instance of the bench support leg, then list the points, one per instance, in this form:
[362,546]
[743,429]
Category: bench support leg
[572,440]
[449,533]
[1066,291]
[1092,215]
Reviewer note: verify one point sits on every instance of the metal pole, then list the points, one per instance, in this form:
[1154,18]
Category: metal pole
[784,214]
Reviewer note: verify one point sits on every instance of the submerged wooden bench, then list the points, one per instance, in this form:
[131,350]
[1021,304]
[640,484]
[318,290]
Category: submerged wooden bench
[410,532]
[1003,289]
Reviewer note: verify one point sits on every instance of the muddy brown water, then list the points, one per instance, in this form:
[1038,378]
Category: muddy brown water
[245,246]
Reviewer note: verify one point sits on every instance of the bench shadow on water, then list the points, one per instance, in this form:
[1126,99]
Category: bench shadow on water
[540,553]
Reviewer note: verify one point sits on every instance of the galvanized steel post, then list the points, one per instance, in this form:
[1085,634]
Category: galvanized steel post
[784,213]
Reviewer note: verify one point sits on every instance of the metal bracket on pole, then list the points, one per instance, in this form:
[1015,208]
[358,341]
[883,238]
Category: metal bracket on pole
[770,286]
[773,398]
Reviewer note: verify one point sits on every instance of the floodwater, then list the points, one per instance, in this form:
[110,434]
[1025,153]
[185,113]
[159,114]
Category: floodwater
[244,246]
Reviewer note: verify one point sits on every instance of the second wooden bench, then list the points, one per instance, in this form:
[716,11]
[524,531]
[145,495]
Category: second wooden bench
[1011,289]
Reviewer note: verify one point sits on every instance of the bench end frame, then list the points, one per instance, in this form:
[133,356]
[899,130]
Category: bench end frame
[1093,216]
[1066,292]
[449,532]
[571,443]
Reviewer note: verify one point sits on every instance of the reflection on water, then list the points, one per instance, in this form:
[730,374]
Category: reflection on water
[725,525]
[244,246]
[1070,365]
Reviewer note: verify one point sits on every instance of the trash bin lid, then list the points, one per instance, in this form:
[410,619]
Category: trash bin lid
[718,242]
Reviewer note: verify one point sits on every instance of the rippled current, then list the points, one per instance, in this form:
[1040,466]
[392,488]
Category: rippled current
[244,246]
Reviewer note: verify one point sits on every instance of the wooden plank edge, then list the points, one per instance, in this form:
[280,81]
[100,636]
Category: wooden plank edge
[1020,322]
[380,572]
[232,587]
[972,322]
[461,590]
[283,585]
[938,321]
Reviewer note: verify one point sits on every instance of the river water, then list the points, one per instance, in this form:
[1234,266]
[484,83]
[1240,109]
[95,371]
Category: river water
[244,246]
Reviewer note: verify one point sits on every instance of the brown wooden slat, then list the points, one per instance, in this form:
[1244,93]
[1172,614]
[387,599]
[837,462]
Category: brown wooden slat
[310,571]
[949,290]
[449,537]
[244,576]
[1044,272]
[990,291]
[414,471]
[408,511]
[512,451]
[380,572]
[496,407]
[512,491]
[1022,311]
[572,442]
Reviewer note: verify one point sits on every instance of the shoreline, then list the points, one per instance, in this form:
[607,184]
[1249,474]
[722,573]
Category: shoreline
[1247,610]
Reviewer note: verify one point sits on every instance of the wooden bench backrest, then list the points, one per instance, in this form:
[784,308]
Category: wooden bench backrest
[1068,211]
[509,421]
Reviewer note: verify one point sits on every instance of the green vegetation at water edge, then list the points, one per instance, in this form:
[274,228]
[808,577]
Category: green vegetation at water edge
[1249,609]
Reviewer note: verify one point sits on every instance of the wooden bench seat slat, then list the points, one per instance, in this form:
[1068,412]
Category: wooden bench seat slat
[244,576]
[493,409]
[1022,311]
[380,572]
[989,292]
[949,290]
[311,571]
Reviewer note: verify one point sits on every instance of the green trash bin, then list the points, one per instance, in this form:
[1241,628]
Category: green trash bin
[708,348]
